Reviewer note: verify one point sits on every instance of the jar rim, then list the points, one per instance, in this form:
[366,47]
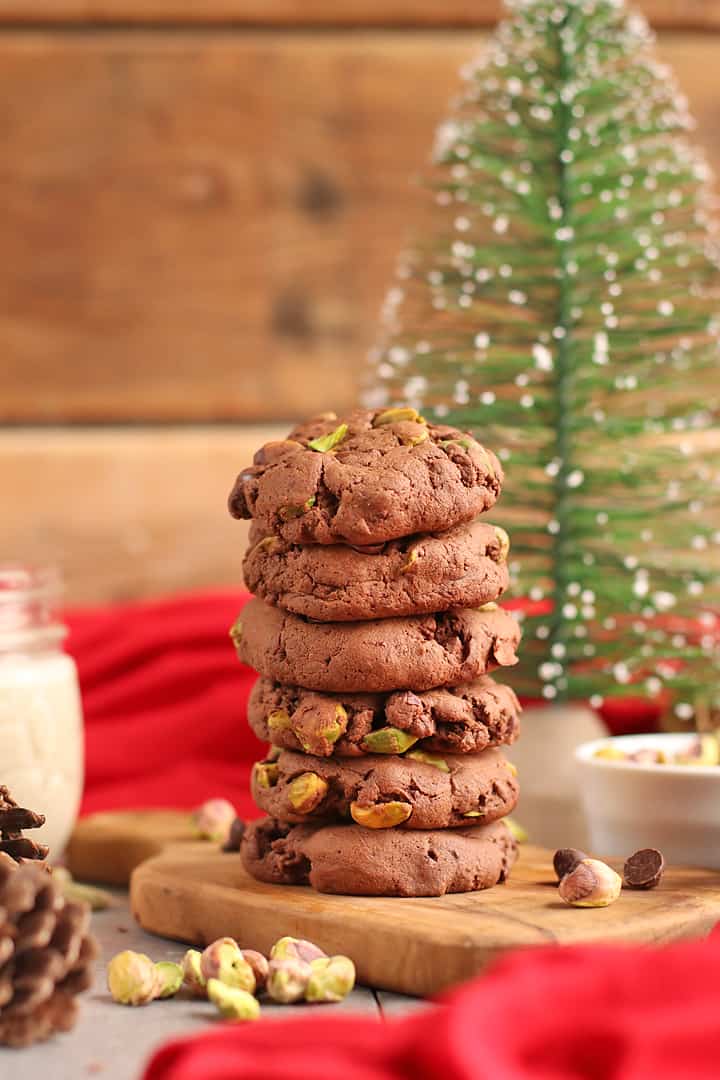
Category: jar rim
[20,582]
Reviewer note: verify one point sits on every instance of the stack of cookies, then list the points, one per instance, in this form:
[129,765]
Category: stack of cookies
[373,627]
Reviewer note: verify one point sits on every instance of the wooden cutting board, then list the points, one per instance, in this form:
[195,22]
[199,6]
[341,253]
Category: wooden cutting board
[107,847]
[195,893]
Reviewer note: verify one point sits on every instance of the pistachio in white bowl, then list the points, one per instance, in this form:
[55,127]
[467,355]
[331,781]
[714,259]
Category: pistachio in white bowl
[655,791]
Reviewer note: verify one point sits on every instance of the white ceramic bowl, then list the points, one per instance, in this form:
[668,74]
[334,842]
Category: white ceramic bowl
[674,808]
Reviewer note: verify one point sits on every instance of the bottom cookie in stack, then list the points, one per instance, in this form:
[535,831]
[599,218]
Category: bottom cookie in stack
[349,859]
[394,794]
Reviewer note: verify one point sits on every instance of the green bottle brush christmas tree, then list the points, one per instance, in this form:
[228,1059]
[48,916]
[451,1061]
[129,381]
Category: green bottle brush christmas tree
[563,306]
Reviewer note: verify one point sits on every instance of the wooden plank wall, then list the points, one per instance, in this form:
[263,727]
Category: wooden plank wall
[201,207]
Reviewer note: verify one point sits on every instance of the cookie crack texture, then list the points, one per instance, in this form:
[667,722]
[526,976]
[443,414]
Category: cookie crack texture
[380,483]
[386,862]
[437,792]
[378,655]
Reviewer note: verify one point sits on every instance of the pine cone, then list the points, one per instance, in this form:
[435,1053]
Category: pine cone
[46,955]
[13,819]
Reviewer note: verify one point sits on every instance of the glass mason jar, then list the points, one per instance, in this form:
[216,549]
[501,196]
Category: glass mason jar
[41,730]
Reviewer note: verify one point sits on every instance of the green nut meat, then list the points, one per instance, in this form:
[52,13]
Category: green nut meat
[429,759]
[380,815]
[288,979]
[267,543]
[170,978]
[132,978]
[504,540]
[464,443]
[231,1002]
[306,792]
[397,416]
[331,979]
[223,960]
[412,558]
[193,977]
[416,438]
[278,720]
[288,513]
[518,833]
[317,734]
[325,443]
[266,773]
[388,740]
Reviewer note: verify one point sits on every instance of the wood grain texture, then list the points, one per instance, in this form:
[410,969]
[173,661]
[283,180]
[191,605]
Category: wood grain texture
[685,14]
[190,236]
[418,946]
[202,226]
[126,513]
[107,847]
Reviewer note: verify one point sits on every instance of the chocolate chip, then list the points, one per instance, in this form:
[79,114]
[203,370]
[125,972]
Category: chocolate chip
[236,834]
[566,859]
[644,869]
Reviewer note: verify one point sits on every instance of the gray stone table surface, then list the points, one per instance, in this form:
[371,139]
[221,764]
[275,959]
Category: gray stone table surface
[114,1042]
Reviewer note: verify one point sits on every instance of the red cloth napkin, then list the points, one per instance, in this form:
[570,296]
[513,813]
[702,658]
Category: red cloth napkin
[165,703]
[580,1013]
[165,706]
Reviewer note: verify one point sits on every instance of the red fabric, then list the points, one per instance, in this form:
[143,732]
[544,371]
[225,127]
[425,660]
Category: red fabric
[165,702]
[574,1013]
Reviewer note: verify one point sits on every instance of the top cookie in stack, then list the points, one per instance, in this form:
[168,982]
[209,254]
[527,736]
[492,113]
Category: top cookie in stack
[373,477]
[374,632]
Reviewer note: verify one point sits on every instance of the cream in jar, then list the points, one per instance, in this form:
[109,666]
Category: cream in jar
[41,737]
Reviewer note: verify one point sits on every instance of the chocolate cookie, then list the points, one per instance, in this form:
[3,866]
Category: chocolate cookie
[366,478]
[346,859]
[336,583]
[416,791]
[462,720]
[421,651]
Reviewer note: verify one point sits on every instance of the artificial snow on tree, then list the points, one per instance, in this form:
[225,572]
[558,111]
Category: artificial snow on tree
[563,305]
